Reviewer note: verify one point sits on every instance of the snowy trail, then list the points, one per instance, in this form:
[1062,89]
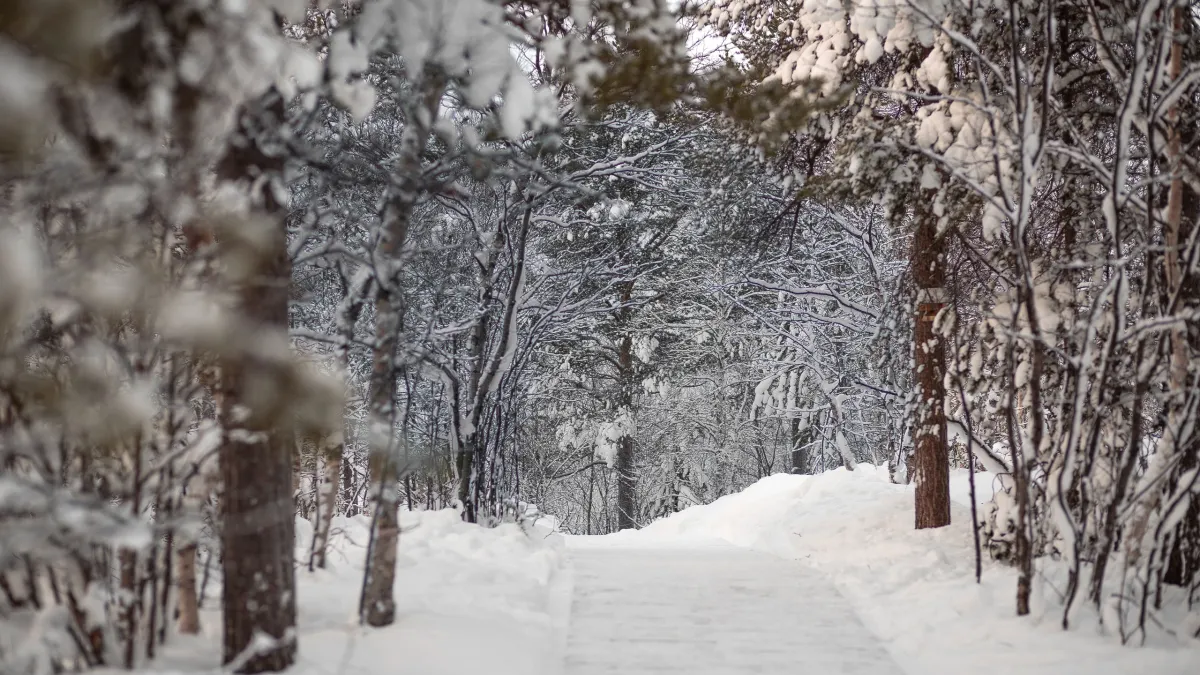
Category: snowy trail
[709,609]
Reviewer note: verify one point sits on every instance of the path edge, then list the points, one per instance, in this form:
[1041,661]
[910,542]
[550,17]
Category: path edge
[558,606]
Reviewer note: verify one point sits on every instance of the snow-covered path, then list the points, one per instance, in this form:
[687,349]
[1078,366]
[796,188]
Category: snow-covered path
[712,609]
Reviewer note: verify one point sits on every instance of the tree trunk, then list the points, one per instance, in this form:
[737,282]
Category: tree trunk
[301,501]
[378,606]
[1182,564]
[468,447]
[1183,557]
[476,469]
[348,487]
[465,467]
[257,514]
[188,596]
[327,492]
[626,485]
[468,450]
[799,438]
[185,585]
[626,475]
[931,460]
[333,448]
[258,525]
[129,608]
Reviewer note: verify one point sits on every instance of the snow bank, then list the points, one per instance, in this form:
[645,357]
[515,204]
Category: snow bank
[468,599]
[914,589]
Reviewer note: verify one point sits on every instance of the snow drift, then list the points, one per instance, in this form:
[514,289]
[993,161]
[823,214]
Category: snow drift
[468,599]
[915,589]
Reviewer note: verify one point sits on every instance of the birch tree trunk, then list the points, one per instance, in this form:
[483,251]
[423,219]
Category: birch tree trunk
[333,449]
[327,493]
[377,607]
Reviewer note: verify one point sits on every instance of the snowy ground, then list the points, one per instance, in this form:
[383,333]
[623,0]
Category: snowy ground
[797,574]
[711,610]
[915,591]
[469,600]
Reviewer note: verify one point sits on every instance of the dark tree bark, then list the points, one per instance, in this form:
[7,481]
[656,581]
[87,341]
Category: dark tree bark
[931,461]
[257,523]
[477,463]
[257,533]
[188,601]
[468,460]
[799,438]
[349,489]
[1182,564]
[626,474]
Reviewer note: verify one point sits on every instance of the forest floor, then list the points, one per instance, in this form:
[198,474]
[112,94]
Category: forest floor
[468,600]
[796,574]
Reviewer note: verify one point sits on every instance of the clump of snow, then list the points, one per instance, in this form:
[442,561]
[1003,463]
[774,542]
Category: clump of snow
[915,589]
[21,275]
[194,317]
[609,435]
[644,347]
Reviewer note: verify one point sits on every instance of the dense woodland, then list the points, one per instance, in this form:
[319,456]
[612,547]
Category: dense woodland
[597,259]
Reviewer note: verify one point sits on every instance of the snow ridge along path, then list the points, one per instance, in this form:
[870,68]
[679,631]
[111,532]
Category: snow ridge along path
[709,609]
